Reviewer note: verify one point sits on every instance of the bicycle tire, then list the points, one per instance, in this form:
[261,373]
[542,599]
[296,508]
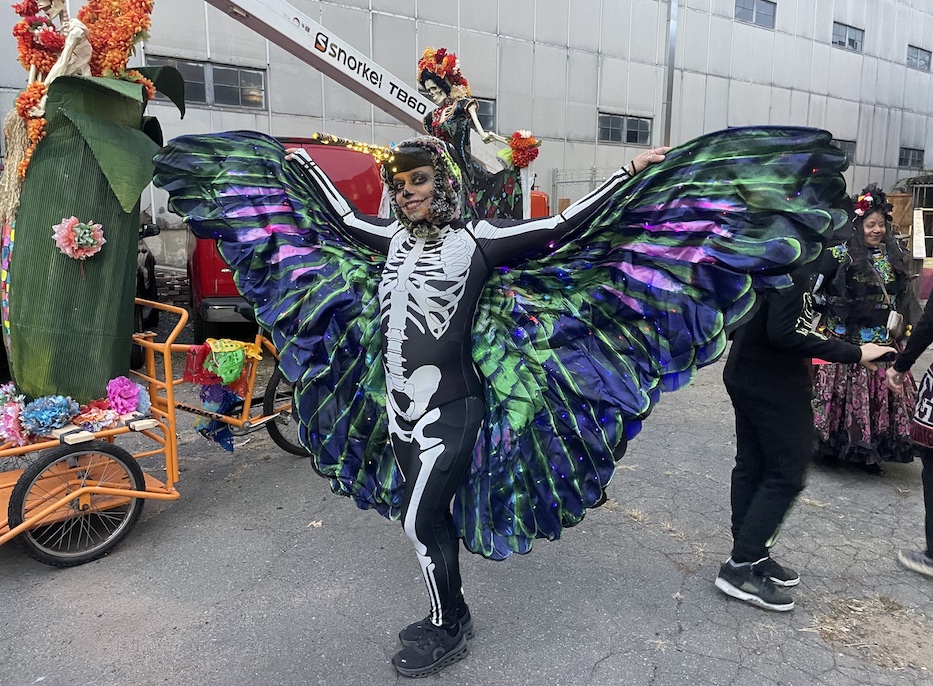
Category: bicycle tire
[82,530]
[284,429]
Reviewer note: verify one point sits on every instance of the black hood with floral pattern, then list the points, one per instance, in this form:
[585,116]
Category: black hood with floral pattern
[447,201]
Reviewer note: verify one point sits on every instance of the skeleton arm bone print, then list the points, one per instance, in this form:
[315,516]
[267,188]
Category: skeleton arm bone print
[502,239]
[371,231]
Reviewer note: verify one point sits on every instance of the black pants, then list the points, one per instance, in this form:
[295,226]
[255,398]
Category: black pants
[775,440]
[433,455]
[926,456]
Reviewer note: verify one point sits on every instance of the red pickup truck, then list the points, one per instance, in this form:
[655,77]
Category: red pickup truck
[214,296]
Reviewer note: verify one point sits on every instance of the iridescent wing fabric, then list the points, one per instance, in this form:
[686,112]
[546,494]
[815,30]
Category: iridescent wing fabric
[312,288]
[578,345]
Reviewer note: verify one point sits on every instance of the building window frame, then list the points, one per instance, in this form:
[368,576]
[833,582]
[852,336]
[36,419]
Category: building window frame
[918,58]
[847,147]
[910,158]
[623,129]
[761,13]
[848,37]
[211,84]
[486,113]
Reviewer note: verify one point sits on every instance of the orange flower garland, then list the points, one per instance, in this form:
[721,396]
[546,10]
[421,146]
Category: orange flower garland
[524,148]
[136,77]
[114,27]
[38,42]
[35,126]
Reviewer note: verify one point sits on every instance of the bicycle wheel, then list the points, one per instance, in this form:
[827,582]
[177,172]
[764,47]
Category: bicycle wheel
[284,429]
[89,526]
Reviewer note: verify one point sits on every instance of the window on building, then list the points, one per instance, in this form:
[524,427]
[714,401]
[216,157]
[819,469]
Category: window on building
[216,84]
[486,113]
[760,12]
[617,128]
[918,58]
[848,147]
[848,37]
[191,72]
[910,158]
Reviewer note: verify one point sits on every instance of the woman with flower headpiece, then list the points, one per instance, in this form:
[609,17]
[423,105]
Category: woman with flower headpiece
[487,194]
[478,379]
[868,300]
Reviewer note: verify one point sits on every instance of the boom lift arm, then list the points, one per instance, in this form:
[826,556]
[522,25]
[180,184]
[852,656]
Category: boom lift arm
[298,34]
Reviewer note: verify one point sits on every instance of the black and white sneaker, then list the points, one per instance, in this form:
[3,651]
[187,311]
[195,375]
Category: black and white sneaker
[410,634]
[742,581]
[779,574]
[435,649]
[916,561]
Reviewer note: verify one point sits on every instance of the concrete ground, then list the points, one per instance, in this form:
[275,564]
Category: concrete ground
[260,576]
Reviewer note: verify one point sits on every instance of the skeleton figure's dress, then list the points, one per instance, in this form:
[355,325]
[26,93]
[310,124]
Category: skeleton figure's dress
[573,341]
[488,194]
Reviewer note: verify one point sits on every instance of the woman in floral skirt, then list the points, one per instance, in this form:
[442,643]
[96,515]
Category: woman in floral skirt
[857,417]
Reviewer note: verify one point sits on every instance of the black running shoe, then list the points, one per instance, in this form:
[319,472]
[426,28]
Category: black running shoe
[779,574]
[409,635]
[434,650]
[743,582]
[916,561]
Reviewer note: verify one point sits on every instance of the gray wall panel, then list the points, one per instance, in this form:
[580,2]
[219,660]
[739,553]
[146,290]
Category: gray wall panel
[550,91]
[516,19]
[584,25]
[293,87]
[229,41]
[479,56]
[552,20]
[444,12]
[615,28]
[480,15]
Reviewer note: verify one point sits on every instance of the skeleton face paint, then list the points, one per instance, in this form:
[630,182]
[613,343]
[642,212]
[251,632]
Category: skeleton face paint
[414,191]
[425,151]
[435,92]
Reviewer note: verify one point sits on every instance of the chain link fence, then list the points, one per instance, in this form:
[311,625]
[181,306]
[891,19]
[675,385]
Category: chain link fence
[568,185]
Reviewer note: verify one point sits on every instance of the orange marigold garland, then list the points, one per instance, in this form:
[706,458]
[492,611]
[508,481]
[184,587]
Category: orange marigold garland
[114,28]
[38,42]
[35,126]
[29,98]
[136,77]
[524,148]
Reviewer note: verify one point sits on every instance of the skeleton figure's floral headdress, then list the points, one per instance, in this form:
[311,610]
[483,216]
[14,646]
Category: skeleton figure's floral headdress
[445,68]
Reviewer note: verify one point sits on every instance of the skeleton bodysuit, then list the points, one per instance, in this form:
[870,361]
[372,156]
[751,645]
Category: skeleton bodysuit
[428,295]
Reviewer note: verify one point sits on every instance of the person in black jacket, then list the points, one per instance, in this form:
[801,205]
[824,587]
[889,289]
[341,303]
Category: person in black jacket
[768,379]
[921,431]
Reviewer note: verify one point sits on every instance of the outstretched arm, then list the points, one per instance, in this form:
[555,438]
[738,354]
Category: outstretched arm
[483,133]
[502,239]
[370,231]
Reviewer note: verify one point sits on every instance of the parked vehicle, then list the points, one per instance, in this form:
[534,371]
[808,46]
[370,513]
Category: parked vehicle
[147,288]
[214,296]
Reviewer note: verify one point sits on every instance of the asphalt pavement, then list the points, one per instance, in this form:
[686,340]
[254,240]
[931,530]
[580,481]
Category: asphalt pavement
[260,576]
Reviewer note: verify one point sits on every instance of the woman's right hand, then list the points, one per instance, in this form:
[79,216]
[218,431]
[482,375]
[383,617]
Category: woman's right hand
[871,352]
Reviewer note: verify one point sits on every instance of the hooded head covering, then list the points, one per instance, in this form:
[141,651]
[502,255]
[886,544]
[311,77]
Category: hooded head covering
[419,152]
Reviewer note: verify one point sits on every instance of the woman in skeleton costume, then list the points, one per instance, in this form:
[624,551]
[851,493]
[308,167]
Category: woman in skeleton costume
[517,357]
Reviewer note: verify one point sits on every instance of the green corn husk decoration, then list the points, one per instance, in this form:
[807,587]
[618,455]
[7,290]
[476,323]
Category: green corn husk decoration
[71,320]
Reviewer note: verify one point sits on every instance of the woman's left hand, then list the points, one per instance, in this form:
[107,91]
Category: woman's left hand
[895,380]
[646,159]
